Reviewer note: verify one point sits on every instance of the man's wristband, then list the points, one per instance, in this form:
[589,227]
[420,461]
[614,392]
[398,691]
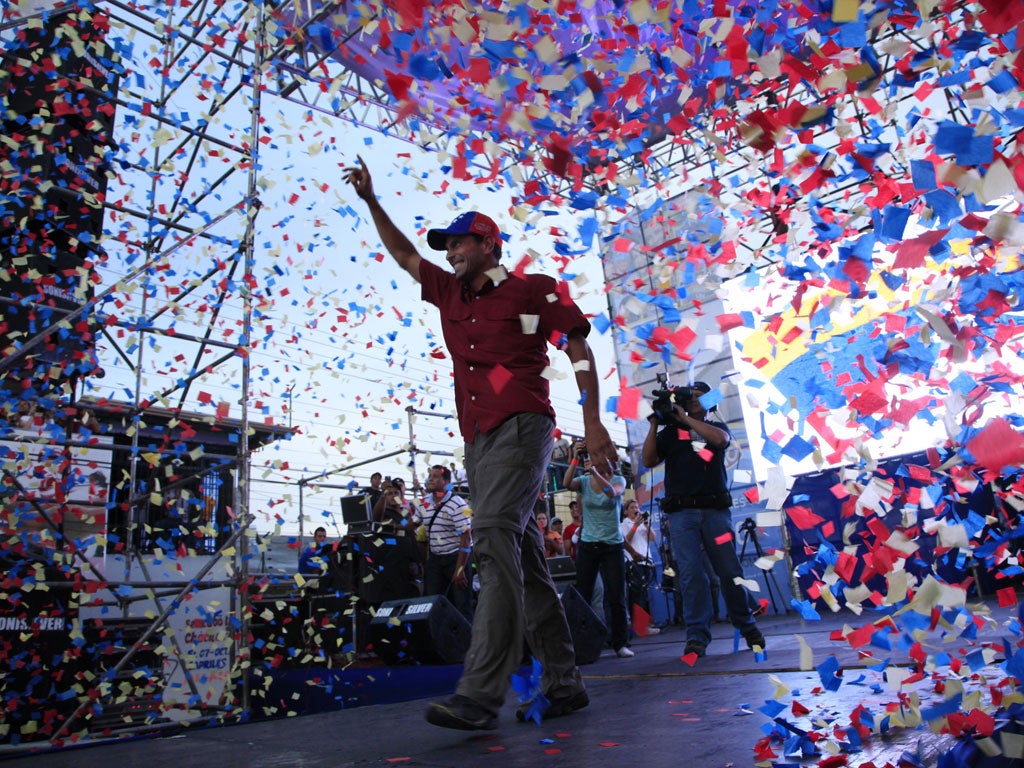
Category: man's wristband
[574,463]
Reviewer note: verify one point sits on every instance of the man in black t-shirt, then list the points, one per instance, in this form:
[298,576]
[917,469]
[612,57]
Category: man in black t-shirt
[697,501]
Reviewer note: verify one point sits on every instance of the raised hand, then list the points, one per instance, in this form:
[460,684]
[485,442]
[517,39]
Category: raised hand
[360,179]
[603,454]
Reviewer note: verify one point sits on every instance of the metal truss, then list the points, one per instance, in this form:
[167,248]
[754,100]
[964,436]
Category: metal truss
[711,148]
[177,270]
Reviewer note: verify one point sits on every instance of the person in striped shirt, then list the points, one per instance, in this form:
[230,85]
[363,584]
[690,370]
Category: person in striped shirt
[445,529]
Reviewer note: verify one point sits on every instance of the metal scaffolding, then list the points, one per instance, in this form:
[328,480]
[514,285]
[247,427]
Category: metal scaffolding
[185,75]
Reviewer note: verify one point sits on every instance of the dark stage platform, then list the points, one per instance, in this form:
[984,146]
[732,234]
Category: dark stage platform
[651,710]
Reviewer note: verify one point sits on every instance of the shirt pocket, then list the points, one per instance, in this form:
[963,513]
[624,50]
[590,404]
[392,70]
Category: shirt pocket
[511,322]
[501,308]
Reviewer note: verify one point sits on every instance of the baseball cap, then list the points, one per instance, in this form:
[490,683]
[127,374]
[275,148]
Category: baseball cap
[471,223]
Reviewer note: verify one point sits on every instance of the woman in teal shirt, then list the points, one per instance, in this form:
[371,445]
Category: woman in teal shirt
[600,548]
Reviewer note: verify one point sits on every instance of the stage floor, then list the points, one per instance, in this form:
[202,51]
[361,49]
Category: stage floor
[652,710]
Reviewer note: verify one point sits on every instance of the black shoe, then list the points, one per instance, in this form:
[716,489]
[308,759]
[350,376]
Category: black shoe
[461,713]
[557,707]
[754,637]
[695,646]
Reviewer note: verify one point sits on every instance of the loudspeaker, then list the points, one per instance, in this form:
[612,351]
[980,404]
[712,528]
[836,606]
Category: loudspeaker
[427,630]
[563,572]
[58,96]
[54,196]
[63,67]
[58,86]
[278,631]
[338,624]
[387,565]
[36,627]
[589,633]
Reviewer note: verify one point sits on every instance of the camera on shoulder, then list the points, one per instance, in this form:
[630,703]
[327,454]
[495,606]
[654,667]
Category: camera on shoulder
[666,397]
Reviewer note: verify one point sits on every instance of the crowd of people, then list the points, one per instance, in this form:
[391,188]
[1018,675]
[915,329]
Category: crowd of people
[440,522]
[497,326]
[609,538]
[440,519]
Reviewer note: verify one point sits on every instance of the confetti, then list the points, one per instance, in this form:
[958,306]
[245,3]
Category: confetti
[865,239]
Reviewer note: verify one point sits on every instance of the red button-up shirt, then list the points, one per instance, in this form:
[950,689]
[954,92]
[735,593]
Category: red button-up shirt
[498,342]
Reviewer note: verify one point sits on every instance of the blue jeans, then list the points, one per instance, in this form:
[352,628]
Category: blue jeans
[593,557]
[690,530]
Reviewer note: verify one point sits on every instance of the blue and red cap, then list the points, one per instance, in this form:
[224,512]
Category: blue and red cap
[472,223]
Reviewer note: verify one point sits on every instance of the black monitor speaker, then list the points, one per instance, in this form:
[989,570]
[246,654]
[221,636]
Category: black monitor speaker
[355,510]
[420,630]
[589,633]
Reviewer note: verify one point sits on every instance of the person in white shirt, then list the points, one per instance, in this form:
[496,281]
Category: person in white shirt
[559,460]
[638,537]
[458,481]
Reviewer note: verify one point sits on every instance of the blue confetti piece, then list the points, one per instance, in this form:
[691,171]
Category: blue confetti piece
[828,674]
[806,609]
[942,709]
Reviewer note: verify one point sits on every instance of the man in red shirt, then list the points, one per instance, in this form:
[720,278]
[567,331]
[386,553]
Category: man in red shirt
[497,327]
[569,535]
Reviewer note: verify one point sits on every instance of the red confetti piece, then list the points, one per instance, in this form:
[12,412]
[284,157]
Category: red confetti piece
[998,445]
[641,621]
[629,402]
[803,518]
[499,377]
[682,339]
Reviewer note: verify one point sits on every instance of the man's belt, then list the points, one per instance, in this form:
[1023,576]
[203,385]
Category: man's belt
[699,501]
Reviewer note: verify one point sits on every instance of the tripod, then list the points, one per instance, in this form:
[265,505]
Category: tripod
[749,529]
[669,585]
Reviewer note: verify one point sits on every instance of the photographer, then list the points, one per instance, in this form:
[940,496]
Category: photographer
[600,548]
[697,503]
[393,508]
[637,537]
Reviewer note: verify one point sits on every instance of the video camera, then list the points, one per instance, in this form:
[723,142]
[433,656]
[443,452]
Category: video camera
[666,397]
